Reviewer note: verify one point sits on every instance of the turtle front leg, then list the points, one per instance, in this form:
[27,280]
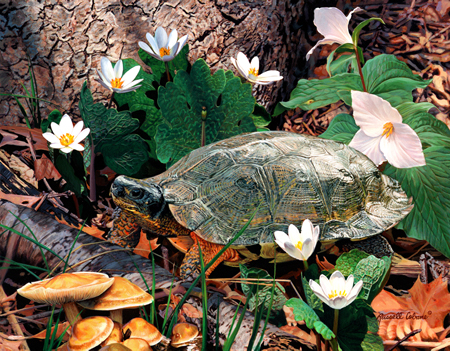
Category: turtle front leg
[125,232]
[191,264]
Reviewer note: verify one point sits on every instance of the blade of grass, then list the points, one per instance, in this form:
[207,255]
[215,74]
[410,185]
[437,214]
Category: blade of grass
[204,300]
[48,331]
[34,92]
[31,240]
[166,314]
[73,245]
[234,319]
[30,97]
[175,312]
[28,101]
[256,320]
[24,113]
[230,339]
[18,265]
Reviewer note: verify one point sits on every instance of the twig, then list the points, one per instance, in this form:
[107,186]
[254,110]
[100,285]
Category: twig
[406,337]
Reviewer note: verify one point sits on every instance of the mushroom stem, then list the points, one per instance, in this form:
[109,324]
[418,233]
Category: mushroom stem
[116,316]
[72,313]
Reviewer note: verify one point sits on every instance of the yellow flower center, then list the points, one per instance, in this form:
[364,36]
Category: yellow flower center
[335,293]
[66,139]
[388,129]
[164,52]
[116,83]
[299,245]
[253,72]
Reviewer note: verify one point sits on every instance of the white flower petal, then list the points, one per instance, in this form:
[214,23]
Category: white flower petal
[50,137]
[174,49]
[77,147]
[161,37]
[129,76]
[349,16]
[56,129]
[349,284]
[103,79]
[294,234]
[153,43]
[168,58]
[338,302]
[368,146]
[56,146]
[132,84]
[320,42]
[66,150]
[107,69]
[354,292]
[270,75]
[118,69]
[332,23]
[337,281]
[307,229]
[316,234]
[325,284]
[173,36]
[66,125]
[182,42]
[317,290]
[243,63]
[292,251]
[255,63]
[83,134]
[77,129]
[403,148]
[308,248]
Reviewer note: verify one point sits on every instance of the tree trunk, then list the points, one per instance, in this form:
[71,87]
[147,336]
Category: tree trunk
[66,40]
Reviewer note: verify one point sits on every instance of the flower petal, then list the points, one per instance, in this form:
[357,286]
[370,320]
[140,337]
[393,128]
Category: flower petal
[320,42]
[50,137]
[77,129]
[83,134]
[308,248]
[129,76]
[182,42]
[307,230]
[168,58]
[127,90]
[66,125]
[173,36]
[77,147]
[294,234]
[56,146]
[368,146]
[332,23]
[338,302]
[56,129]
[372,112]
[317,290]
[325,284]
[349,284]
[66,150]
[243,64]
[349,16]
[316,234]
[337,281]
[403,148]
[132,84]
[270,75]
[103,79]
[107,69]
[354,292]
[292,251]
[118,69]
[161,37]
[255,63]
[174,49]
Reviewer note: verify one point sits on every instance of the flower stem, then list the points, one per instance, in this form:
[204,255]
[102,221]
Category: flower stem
[334,343]
[111,100]
[305,265]
[358,62]
[92,189]
[167,71]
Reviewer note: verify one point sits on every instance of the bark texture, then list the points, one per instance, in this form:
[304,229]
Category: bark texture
[66,40]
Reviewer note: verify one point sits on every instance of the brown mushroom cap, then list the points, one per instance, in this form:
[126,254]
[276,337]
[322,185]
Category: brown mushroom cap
[183,332]
[121,294]
[90,332]
[137,344]
[115,347]
[67,287]
[116,335]
[141,329]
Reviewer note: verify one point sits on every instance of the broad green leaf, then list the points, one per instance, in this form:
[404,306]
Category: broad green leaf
[342,128]
[430,189]
[347,262]
[371,271]
[139,100]
[110,131]
[419,120]
[315,93]
[340,65]
[197,100]
[261,293]
[158,67]
[87,152]
[372,342]
[74,183]
[385,73]
[355,34]
[261,117]
[409,109]
[311,298]
[302,312]
[54,116]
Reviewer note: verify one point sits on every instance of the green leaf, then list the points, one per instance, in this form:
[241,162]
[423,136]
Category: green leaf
[221,102]
[385,73]
[372,271]
[158,67]
[54,116]
[342,128]
[372,342]
[261,293]
[87,152]
[340,65]
[110,132]
[355,34]
[261,118]
[302,312]
[315,93]
[347,262]
[74,183]
[430,189]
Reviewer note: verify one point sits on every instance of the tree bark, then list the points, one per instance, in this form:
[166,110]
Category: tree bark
[66,40]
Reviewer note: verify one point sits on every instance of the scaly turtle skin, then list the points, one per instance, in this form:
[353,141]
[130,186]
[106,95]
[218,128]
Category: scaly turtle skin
[214,190]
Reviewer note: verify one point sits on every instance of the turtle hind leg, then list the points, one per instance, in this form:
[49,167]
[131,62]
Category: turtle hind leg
[376,245]
[190,268]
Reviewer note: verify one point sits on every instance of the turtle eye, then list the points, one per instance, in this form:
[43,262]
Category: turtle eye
[136,193]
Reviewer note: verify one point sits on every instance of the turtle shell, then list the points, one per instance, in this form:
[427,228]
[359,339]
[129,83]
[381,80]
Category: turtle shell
[215,189]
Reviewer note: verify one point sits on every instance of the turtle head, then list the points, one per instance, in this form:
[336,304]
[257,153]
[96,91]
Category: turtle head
[142,198]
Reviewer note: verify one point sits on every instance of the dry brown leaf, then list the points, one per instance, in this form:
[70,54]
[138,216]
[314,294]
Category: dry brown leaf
[25,172]
[324,265]
[299,333]
[23,200]
[62,328]
[425,307]
[40,143]
[289,314]
[9,345]
[44,168]
[10,139]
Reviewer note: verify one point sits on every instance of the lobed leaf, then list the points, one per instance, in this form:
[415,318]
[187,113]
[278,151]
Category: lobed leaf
[342,128]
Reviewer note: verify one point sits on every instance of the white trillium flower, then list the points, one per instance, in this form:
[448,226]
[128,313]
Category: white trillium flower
[333,25]
[112,79]
[336,292]
[65,136]
[250,70]
[299,245]
[383,136]
[163,47]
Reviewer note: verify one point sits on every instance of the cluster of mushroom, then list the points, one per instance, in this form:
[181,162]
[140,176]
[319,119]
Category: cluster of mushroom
[97,291]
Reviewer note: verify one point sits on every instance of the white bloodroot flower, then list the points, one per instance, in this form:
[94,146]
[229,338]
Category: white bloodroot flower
[383,136]
[162,47]
[333,25]
[299,245]
[112,79]
[250,71]
[336,292]
[65,136]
